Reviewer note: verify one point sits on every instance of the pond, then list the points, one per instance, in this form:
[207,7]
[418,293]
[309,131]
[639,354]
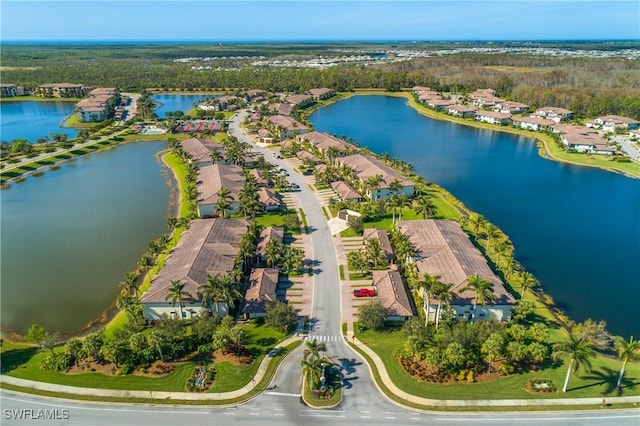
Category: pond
[175,102]
[69,236]
[576,228]
[33,119]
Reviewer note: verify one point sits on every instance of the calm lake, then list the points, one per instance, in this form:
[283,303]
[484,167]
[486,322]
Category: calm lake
[173,102]
[69,236]
[31,119]
[576,228]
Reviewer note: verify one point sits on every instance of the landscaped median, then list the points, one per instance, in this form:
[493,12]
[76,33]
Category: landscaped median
[509,392]
[253,386]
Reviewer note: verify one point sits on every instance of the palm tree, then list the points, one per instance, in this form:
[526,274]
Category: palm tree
[395,186]
[428,287]
[491,233]
[129,283]
[332,153]
[500,249]
[177,293]
[580,351]
[424,205]
[216,156]
[131,306]
[224,202]
[443,295]
[313,348]
[374,250]
[527,283]
[209,291]
[392,204]
[483,291]
[372,184]
[229,290]
[476,223]
[403,201]
[626,350]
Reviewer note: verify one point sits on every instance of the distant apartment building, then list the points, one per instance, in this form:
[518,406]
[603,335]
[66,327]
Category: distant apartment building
[100,104]
[60,90]
[10,90]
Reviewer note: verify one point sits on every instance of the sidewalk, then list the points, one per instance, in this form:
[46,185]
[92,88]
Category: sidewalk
[184,396]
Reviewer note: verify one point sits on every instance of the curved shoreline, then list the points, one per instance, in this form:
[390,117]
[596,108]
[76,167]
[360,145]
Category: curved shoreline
[543,143]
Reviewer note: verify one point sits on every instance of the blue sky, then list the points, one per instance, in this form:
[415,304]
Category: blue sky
[221,20]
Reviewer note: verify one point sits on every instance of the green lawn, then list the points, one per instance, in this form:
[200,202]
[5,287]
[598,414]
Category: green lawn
[600,382]
[276,219]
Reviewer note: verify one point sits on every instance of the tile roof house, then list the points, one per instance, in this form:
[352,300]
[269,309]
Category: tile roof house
[261,289]
[306,155]
[609,123]
[393,295]
[511,107]
[440,104]
[61,90]
[443,248]
[584,139]
[322,142]
[462,110]
[366,166]
[281,109]
[553,113]
[211,179]
[267,234]
[383,237]
[286,127]
[300,100]
[485,98]
[200,150]
[345,191]
[493,117]
[321,93]
[532,123]
[268,199]
[207,247]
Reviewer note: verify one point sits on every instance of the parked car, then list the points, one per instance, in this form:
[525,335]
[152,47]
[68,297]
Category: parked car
[295,186]
[364,292]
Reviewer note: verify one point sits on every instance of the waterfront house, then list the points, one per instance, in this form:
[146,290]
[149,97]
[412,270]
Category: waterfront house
[321,93]
[464,111]
[266,235]
[440,104]
[321,142]
[511,107]
[199,151]
[281,109]
[584,139]
[207,247]
[261,289]
[383,237]
[485,98]
[300,100]
[493,117]
[211,179]
[393,295]
[60,90]
[285,126]
[442,248]
[365,166]
[9,90]
[532,123]
[555,114]
[345,192]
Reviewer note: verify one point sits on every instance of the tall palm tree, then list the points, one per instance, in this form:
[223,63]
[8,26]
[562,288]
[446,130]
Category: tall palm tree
[395,186]
[131,306]
[392,204]
[626,351]
[129,284]
[424,205]
[312,370]
[483,291]
[224,202]
[476,222]
[177,293]
[578,350]
[527,282]
[313,348]
[427,286]
[443,295]
[209,291]
[216,156]
[491,233]
[229,290]
[374,250]
[372,184]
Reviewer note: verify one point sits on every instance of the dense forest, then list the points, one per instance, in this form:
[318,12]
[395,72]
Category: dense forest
[589,86]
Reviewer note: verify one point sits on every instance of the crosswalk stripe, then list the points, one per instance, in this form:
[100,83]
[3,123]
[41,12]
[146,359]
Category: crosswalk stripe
[324,338]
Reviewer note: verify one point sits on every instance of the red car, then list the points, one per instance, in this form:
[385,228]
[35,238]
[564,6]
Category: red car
[364,292]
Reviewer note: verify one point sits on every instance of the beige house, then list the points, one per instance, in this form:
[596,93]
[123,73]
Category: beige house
[61,90]
[200,150]
[321,142]
[463,111]
[485,98]
[207,247]
[300,100]
[262,288]
[281,109]
[385,243]
[443,248]
[286,127]
[366,166]
[555,114]
[393,295]
[99,106]
[345,191]
[321,93]
[610,123]
[268,199]
[493,117]
[532,123]
[211,179]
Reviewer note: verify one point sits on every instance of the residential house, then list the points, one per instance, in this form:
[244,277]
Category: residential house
[99,106]
[532,123]
[8,90]
[267,234]
[366,166]
[260,181]
[610,123]
[442,248]
[440,104]
[321,93]
[346,192]
[211,179]
[464,111]
[385,243]
[261,289]
[252,94]
[281,109]
[207,247]
[264,136]
[308,157]
[300,100]
[60,90]
[555,114]
[321,142]
[485,98]
[268,199]
[393,295]
[200,150]
[511,107]
[493,117]
[286,127]
[584,139]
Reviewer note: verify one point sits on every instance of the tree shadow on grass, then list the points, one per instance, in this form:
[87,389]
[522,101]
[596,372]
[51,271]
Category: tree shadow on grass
[604,376]
[14,358]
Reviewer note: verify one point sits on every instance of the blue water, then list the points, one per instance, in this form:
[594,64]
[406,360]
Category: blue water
[68,237]
[32,119]
[576,228]
[175,102]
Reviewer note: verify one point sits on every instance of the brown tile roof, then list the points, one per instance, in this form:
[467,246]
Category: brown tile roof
[533,120]
[259,179]
[282,109]
[200,149]
[267,234]
[345,191]
[617,120]
[299,99]
[553,110]
[286,122]
[320,91]
[442,248]
[66,85]
[441,102]
[366,166]
[263,283]
[268,197]
[214,177]
[392,293]
[383,237]
[208,246]
[463,108]
[323,141]
[493,114]
[307,155]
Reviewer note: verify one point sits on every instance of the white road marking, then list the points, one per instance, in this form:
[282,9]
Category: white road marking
[283,394]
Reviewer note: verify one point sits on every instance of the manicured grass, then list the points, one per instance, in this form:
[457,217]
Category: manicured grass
[276,219]
[349,232]
[74,121]
[386,222]
[600,382]
[341,271]
[335,385]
